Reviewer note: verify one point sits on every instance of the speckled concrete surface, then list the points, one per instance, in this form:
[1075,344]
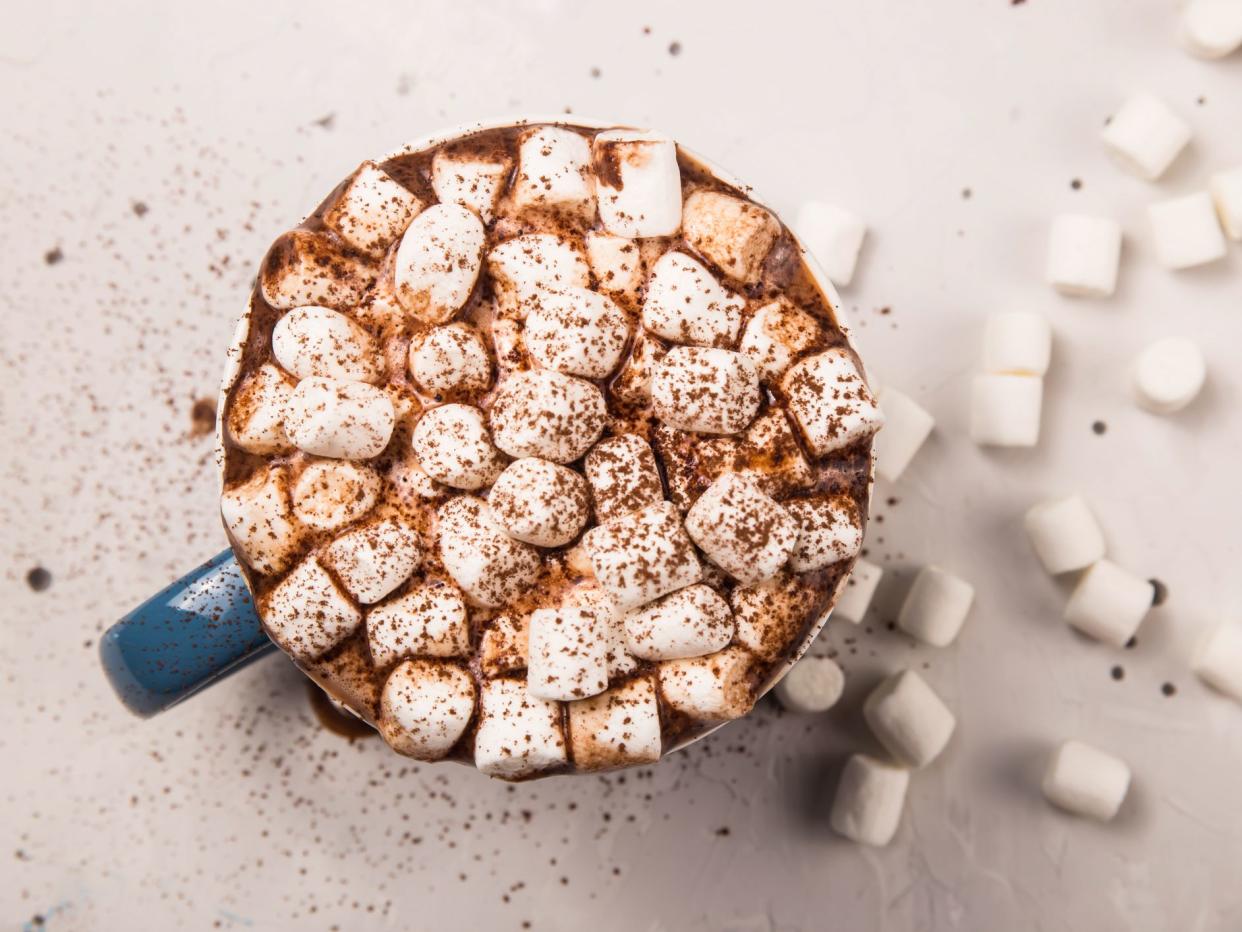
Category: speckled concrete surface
[152,153]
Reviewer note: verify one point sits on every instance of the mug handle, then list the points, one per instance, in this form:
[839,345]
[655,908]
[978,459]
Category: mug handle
[186,637]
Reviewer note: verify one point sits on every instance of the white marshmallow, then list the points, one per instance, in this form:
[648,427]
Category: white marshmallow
[814,684]
[373,210]
[714,688]
[643,555]
[906,427]
[830,401]
[685,304]
[1109,603]
[617,263]
[1226,188]
[623,475]
[504,645]
[776,335]
[828,531]
[772,454]
[769,616]
[470,179]
[705,390]
[509,347]
[344,420]
[936,607]
[429,620]
[632,385]
[690,622]
[855,595]
[734,234]
[490,566]
[1017,343]
[307,614]
[617,728]
[742,530]
[451,358]
[540,502]
[518,735]
[1211,28]
[1218,660]
[454,447]
[609,621]
[411,483]
[524,266]
[909,719]
[870,797]
[1065,534]
[1186,232]
[425,708]
[332,493]
[637,182]
[577,332]
[1086,781]
[547,414]
[1168,375]
[554,172]
[568,656]
[438,261]
[309,268]
[1083,255]
[256,415]
[1145,136]
[1005,410]
[373,561]
[834,236]
[260,521]
[318,341]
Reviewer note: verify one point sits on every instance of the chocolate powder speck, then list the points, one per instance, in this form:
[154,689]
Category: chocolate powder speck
[1159,592]
[967,194]
[327,121]
[38,579]
[53,256]
[1132,643]
[139,208]
[1099,427]
[674,48]
[595,72]
[1118,673]
[1168,689]
[1076,184]
[203,417]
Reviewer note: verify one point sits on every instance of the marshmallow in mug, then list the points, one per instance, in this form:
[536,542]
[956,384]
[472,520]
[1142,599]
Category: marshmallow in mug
[453,445]
[643,555]
[425,708]
[524,266]
[547,414]
[260,521]
[428,621]
[342,420]
[540,502]
[471,180]
[576,332]
[256,415]
[734,234]
[705,390]
[519,735]
[685,304]
[307,614]
[623,475]
[617,728]
[769,615]
[372,561]
[450,358]
[310,268]
[554,172]
[830,401]
[713,688]
[333,493]
[568,655]
[742,530]
[638,183]
[690,622]
[617,263]
[490,566]
[372,210]
[438,261]
[828,532]
[777,334]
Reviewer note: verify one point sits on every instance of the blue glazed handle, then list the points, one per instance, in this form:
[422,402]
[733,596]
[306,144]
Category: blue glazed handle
[186,637]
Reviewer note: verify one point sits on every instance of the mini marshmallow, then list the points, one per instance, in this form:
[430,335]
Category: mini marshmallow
[936,607]
[373,561]
[318,341]
[1065,534]
[1186,232]
[734,234]
[814,684]
[344,420]
[1168,375]
[617,728]
[632,385]
[617,263]
[642,555]
[1017,343]
[568,656]
[519,735]
[577,332]
[524,266]
[260,521]
[509,347]
[742,530]
[1109,603]
[909,719]
[771,453]
[830,401]
[554,172]
[1226,188]
[776,335]
[854,596]
[332,493]
[449,359]
[1083,255]
[454,447]
[1005,410]
[472,180]
[637,182]
[307,614]
[609,623]
[373,210]
[425,708]
[411,484]
[870,797]
[690,622]
[1145,136]
[828,531]
[715,688]
[438,261]
[834,236]
[547,414]
[429,620]
[705,390]
[906,427]
[309,268]
[685,304]
[1086,781]
[256,416]
[540,502]
[490,566]
[1218,660]
[504,645]
[1212,28]
[771,614]
[623,476]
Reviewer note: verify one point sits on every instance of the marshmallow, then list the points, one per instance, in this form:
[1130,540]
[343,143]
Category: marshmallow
[771,615]
[906,427]
[518,735]
[814,684]
[307,614]
[453,446]
[1109,603]
[685,304]
[1005,410]
[1168,375]
[322,342]
[1186,231]
[609,624]
[715,688]
[690,622]
[617,728]
[632,385]
[936,606]
[771,453]
[1226,190]
[438,261]
[344,420]
[642,555]
[429,620]
[425,708]
[547,414]
[332,493]
[473,180]
[256,415]
[637,182]
[449,359]
[554,172]
[870,797]
[345,674]
[577,332]
[854,595]
[373,561]
[623,476]
[372,210]
[568,656]
[742,530]
[830,401]
[540,503]
[828,531]
[524,266]
[504,645]
[1065,534]
[260,521]
[709,391]
[1145,136]
[509,346]
[1086,781]
[734,234]
[411,483]
[1083,255]
[1218,660]
[776,335]
[834,236]
[490,566]
[909,719]
[308,268]
[1212,28]
[1017,343]
[617,263]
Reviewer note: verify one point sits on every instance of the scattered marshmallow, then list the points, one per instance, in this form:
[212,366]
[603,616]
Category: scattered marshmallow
[449,359]
[372,210]
[642,555]
[307,614]
[637,182]
[519,735]
[568,656]
[1005,410]
[470,179]
[1109,603]
[705,390]
[685,304]
[715,688]
[452,444]
[909,719]
[770,615]
[690,622]
[577,332]
[332,493]
[936,606]
[256,415]
[260,521]
[309,268]
[318,341]
[1212,28]
[1168,375]
[1186,231]
[1145,136]
[554,172]
[438,261]
[617,728]
[1017,343]
[373,561]
[742,530]
[623,475]
[776,335]
[870,797]
[490,566]
[632,385]
[834,236]
[906,427]
[1065,534]
[829,531]
[524,266]
[617,263]
[1086,781]
[425,708]
[1083,255]
[830,401]
[504,645]
[1218,660]
[734,234]
[813,684]
[547,414]
[1226,190]
[345,420]
[855,594]
[540,502]
[429,621]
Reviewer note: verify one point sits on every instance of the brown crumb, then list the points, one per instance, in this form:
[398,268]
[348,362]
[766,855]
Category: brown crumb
[674,48]
[203,417]
[53,255]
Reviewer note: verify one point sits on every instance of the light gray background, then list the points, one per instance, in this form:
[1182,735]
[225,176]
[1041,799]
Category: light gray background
[238,811]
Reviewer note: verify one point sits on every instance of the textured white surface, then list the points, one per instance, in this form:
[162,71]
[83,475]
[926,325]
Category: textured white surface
[236,810]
